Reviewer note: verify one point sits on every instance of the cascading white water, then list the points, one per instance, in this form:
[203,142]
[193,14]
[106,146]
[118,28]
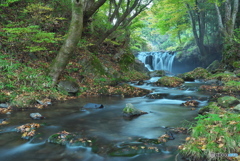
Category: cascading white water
[157,60]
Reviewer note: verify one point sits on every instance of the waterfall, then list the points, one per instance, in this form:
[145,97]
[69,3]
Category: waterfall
[157,60]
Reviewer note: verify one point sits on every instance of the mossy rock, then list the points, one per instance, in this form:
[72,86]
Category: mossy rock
[71,139]
[213,66]
[227,101]
[212,106]
[131,149]
[62,138]
[236,64]
[24,101]
[139,66]
[232,86]
[67,86]
[170,81]
[237,72]
[197,73]
[130,111]
[226,76]
[187,77]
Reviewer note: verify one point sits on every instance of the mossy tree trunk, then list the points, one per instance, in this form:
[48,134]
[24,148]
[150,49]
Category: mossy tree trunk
[71,41]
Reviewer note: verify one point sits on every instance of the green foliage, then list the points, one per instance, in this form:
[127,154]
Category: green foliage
[28,39]
[6,3]
[111,41]
[231,51]
[41,14]
[125,60]
[23,79]
[83,43]
[215,133]
[236,36]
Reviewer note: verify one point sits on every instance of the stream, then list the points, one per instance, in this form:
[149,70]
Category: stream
[107,125]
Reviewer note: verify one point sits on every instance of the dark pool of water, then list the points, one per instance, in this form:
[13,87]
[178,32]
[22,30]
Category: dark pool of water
[108,125]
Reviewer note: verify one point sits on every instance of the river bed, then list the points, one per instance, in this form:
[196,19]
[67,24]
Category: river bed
[107,125]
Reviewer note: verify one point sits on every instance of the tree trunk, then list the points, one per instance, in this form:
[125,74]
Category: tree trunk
[90,8]
[198,34]
[226,27]
[71,41]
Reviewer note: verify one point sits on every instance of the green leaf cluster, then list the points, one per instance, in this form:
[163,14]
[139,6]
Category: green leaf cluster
[29,39]
[6,3]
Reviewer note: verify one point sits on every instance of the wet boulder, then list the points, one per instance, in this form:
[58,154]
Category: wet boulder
[192,103]
[68,86]
[28,130]
[4,108]
[44,102]
[186,77]
[141,82]
[170,81]
[3,121]
[4,105]
[227,101]
[139,66]
[36,116]
[197,73]
[131,111]
[71,139]
[213,66]
[206,109]
[131,149]
[93,105]
[140,146]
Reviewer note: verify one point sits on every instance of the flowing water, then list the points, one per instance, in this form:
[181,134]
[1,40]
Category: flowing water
[108,125]
[157,60]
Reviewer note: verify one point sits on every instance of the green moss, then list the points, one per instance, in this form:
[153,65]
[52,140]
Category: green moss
[97,65]
[222,76]
[236,64]
[227,101]
[170,81]
[197,73]
[212,107]
[232,85]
